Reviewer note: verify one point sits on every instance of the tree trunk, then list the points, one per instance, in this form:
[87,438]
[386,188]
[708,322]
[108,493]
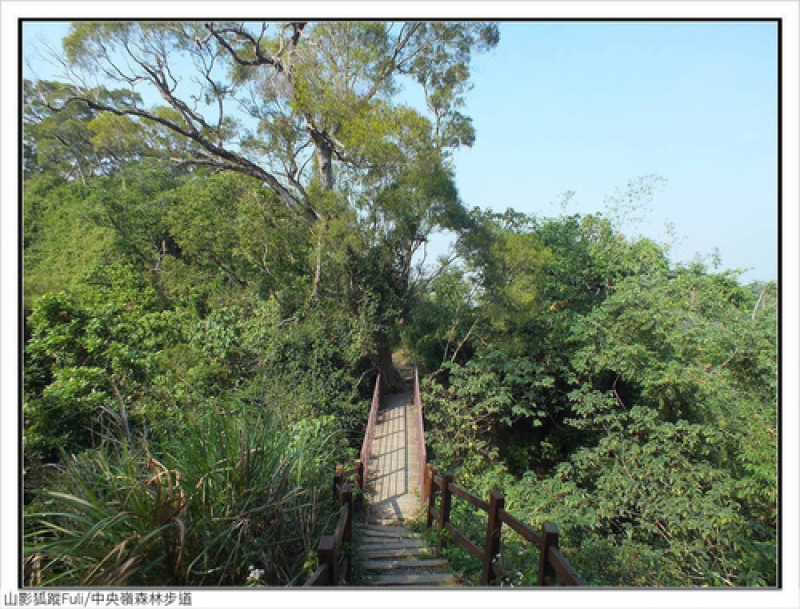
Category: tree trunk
[391,381]
[324,151]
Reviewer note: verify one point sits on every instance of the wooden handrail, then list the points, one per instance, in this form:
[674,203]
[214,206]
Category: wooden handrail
[520,527]
[321,577]
[334,564]
[552,563]
[465,543]
[563,569]
[459,491]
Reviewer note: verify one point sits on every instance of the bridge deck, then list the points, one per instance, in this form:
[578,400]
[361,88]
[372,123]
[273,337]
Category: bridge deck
[392,492]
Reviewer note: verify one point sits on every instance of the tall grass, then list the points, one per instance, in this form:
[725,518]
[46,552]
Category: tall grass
[225,494]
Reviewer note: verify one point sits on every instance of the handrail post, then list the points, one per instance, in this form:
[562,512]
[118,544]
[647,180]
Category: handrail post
[549,540]
[359,482]
[327,556]
[338,481]
[359,475]
[347,500]
[427,491]
[493,529]
[447,497]
[431,494]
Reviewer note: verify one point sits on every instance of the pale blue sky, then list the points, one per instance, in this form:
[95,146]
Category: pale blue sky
[589,106]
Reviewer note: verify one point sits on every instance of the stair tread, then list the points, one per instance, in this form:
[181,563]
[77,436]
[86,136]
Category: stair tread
[389,535]
[392,543]
[395,552]
[415,579]
[399,528]
[384,565]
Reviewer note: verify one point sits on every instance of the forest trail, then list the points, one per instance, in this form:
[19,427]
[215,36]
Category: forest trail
[393,555]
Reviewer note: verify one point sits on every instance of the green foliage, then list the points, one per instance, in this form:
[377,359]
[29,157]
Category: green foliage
[201,335]
[232,234]
[439,319]
[228,490]
[59,238]
[654,488]
[490,401]
[88,358]
[630,403]
[66,137]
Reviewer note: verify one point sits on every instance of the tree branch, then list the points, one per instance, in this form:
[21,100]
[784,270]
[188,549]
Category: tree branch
[260,58]
[219,156]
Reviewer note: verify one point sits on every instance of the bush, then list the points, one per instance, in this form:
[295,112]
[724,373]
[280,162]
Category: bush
[231,491]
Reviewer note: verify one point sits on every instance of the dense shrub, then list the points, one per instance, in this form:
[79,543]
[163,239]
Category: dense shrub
[230,490]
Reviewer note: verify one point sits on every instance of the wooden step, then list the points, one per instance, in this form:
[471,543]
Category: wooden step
[397,549]
[393,552]
[398,542]
[370,534]
[415,579]
[387,521]
[390,565]
[385,528]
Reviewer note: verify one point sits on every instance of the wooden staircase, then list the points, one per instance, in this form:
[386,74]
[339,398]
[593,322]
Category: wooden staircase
[397,482]
[394,556]
[392,460]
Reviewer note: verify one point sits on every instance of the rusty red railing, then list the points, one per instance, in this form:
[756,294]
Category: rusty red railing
[422,451]
[369,434]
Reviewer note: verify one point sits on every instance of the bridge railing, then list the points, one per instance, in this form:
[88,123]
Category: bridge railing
[369,435]
[333,552]
[552,563]
[422,452]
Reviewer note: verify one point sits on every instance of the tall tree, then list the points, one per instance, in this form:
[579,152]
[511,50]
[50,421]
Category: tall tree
[264,98]
[304,108]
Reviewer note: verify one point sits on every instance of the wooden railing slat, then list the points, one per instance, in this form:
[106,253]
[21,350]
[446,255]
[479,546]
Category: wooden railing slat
[563,569]
[320,577]
[460,491]
[463,541]
[519,527]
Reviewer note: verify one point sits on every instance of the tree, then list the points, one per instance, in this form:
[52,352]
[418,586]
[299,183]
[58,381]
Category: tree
[73,140]
[632,402]
[300,106]
[296,87]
